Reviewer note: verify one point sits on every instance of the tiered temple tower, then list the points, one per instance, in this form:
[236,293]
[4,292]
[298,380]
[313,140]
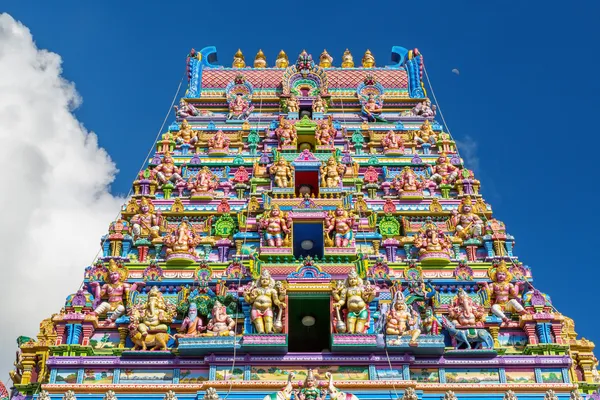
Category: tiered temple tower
[306,231]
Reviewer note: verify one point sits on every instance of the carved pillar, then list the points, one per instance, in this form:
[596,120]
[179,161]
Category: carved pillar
[60,333]
[557,331]
[88,329]
[530,330]
[28,363]
[472,253]
[407,247]
[494,331]
[123,332]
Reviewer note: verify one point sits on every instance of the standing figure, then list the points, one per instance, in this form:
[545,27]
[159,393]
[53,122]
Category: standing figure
[167,171]
[292,104]
[319,105]
[443,171]
[402,322]
[355,296]
[192,324]
[146,224]
[332,173]
[503,295]
[262,295]
[310,390]
[392,141]
[221,323]
[286,133]
[117,290]
[342,223]
[276,226]
[185,109]
[282,172]
[468,224]
[325,134]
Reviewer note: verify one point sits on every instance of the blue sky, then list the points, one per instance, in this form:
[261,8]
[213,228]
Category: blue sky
[523,105]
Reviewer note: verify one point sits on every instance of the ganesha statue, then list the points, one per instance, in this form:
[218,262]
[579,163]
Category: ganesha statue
[205,182]
[149,322]
[221,323]
[239,107]
[392,143]
[351,303]
[341,223]
[408,184]
[465,312]
[218,144]
[277,227]
[263,295]
[432,243]
[181,242]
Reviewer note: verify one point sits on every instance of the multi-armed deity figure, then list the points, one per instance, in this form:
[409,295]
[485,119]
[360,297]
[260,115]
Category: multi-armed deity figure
[292,104]
[325,133]
[407,181]
[332,173]
[146,223]
[341,223]
[204,182]
[182,240]
[167,171]
[424,109]
[277,227]
[468,224]
[156,315]
[221,323]
[239,107]
[502,293]
[186,134]
[372,107]
[286,133]
[219,142]
[443,172]
[263,294]
[117,290]
[354,297]
[400,321]
[319,105]
[425,134]
[282,172]
[431,239]
[465,312]
[392,142]
[185,109]
[310,390]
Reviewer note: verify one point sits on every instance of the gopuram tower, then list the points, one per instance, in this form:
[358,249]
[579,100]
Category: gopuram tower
[306,230]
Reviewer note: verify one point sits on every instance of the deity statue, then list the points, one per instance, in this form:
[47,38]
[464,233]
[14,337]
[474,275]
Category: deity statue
[286,133]
[146,223]
[430,324]
[155,314]
[355,296]
[292,104]
[325,60]
[407,181]
[238,60]
[319,105]
[219,142]
[117,290]
[424,109]
[425,134]
[503,295]
[167,171]
[342,223]
[347,60]
[282,60]
[465,312]
[445,144]
[221,324]
[431,239]
[192,324]
[310,390]
[443,171]
[204,182]
[239,107]
[260,61]
[392,141]
[368,61]
[182,240]
[186,134]
[282,172]
[332,173]
[372,107]
[325,133]
[276,226]
[468,225]
[400,320]
[262,294]
[185,109]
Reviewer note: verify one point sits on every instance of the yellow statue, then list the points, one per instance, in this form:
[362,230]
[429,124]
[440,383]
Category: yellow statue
[355,296]
[155,314]
[238,60]
[368,61]
[262,294]
[260,61]
[325,60]
[282,172]
[282,60]
[401,322]
[332,173]
[347,60]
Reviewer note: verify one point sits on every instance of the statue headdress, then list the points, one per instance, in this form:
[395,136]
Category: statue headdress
[154,292]
[493,271]
[466,201]
[266,274]
[352,274]
[120,269]
[310,376]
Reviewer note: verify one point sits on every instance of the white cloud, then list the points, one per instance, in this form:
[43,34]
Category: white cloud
[55,201]
[468,151]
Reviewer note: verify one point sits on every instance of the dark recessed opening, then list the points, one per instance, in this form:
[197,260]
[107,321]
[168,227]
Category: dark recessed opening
[303,338]
[306,110]
[308,239]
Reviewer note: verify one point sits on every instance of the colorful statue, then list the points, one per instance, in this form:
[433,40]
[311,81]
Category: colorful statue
[285,393]
[335,393]
[392,141]
[286,133]
[347,59]
[424,109]
[185,109]
[465,312]
[167,171]
[468,339]
[372,107]
[430,324]
[146,223]
[155,314]
[468,225]
[342,223]
[400,321]
[355,296]
[445,144]
[503,295]
[368,61]
[443,172]
[277,227]
[332,173]
[219,142]
[431,239]
[319,105]
[182,240]
[186,134]
[117,290]
[239,107]
[407,181]
[325,133]
[425,134]
[282,60]
[221,324]
[192,324]
[283,173]
[238,60]
[149,322]
[204,182]
[292,104]
[260,61]
[262,294]
[325,60]
[310,390]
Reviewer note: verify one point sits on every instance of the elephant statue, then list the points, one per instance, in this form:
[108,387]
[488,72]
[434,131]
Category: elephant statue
[335,393]
[285,393]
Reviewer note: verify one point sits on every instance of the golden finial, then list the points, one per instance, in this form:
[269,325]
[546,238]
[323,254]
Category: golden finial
[368,61]
[238,60]
[282,60]
[260,61]
[347,60]
[325,59]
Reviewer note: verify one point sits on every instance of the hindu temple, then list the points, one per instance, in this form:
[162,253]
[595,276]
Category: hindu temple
[306,229]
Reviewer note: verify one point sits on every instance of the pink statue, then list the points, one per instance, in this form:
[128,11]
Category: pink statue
[192,324]
[371,175]
[443,172]
[241,175]
[372,107]
[167,171]
[219,142]
[117,289]
[432,240]
[407,181]
[239,108]
[468,225]
[185,109]
[392,141]
[325,134]
[342,224]
[182,240]
[204,182]
[286,133]
[503,295]
[424,109]
[465,312]
[221,324]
